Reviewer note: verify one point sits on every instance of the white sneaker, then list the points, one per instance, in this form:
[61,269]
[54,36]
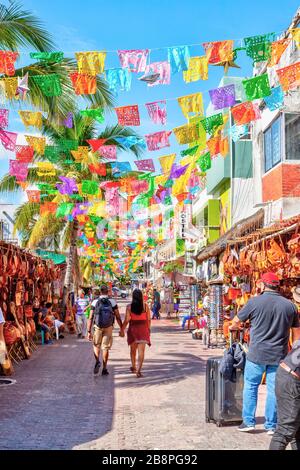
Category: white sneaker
[270,432]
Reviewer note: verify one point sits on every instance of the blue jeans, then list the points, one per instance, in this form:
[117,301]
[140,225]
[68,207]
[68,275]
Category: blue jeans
[252,378]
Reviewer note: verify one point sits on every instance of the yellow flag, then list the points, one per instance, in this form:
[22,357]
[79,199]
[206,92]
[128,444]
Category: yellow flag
[98,209]
[188,133]
[10,87]
[166,162]
[198,69]
[37,143]
[31,118]
[161,179]
[191,104]
[45,169]
[81,154]
[91,63]
[180,184]
[296,36]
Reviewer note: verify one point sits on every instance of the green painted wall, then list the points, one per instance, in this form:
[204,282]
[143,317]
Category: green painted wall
[242,159]
[219,171]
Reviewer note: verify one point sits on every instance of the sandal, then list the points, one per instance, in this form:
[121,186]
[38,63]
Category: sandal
[139,375]
[133,370]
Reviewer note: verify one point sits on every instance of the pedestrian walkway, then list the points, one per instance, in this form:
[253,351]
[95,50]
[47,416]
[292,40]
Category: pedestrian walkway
[57,403]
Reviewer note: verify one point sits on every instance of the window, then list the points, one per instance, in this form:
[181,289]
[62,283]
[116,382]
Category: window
[272,144]
[292,136]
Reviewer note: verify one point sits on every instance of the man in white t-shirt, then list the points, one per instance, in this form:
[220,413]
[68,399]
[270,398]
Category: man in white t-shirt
[102,336]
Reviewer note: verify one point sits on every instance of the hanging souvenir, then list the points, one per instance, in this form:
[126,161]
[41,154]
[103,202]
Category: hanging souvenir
[277,49]
[157,112]
[219,51]
[48,57]
[245,112]
[64,209]
[134,60]
[276,99]
[158,140]
[22,88]
[90,187]
[145,165]
[187,134]
[211,123]
[197,70]
[49,85]
[164,71]
[96,143]
[7,62]
[257,87]
[97,114]
[24,153]
[91,63]
[68,122]
[37,143]
[34,196]
[289,77]
[8,140]
[4,115]
[223,97]
[98,169]
[45,169]
[48,208]
[118,80]
[236,132]
[128,115]
[204,162]
[18,169]
[11,87]
[31,118]
[178,57]
[259,47]
[83,83]
[108,151]
[166,162]
[191,104]
[150,78]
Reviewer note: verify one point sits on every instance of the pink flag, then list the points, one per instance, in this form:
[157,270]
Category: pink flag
[145,165]
[4,118]
[109,152]
[128,115]
[18,169]
[139,186]
[158,140]
[112,201]
[158,112]
[8,139]
[135,60]
[164,70]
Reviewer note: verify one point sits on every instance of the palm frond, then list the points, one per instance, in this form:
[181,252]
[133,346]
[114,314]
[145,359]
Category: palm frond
[45,226]
[20,28]
[110,132]
[8,184]
[25,215]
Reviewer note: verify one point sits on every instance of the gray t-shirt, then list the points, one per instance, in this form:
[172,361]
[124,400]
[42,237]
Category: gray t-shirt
[271,318]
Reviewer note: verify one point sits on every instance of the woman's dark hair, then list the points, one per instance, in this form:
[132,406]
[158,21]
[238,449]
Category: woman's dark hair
[137,305]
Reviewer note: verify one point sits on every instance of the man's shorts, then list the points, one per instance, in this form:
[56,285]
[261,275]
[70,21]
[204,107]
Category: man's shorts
[103,338]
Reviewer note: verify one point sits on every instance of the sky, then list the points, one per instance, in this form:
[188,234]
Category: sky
[117,24]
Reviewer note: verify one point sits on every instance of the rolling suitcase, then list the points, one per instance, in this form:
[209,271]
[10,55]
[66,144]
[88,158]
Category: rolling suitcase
[224,398]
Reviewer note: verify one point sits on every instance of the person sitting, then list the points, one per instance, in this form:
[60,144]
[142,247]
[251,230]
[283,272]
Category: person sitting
[39,319]
[54,318]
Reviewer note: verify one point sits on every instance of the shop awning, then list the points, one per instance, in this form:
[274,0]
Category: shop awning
[57,258]
[240,229]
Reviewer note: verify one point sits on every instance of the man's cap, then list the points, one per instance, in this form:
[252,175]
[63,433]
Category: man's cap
[270,279]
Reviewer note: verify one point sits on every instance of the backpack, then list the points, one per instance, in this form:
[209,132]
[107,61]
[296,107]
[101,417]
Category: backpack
[104,314]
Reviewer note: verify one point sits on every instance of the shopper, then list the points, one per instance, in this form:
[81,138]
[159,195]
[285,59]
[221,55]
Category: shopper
[156,305]
[39,317]
[139,319]
[81,304]
[271,317]
[104,311]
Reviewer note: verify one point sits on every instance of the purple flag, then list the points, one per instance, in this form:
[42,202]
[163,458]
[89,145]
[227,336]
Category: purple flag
[68,122]
[68,187]
[177,172]
[223,97]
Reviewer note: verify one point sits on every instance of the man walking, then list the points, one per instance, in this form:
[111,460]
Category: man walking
[156,305]
[81,304]
[271,318]
[103,314]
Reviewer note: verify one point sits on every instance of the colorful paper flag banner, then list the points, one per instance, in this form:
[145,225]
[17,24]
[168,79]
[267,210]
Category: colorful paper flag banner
[90,187]
[259,47]
[164,71]
[219,51]
[48,57]
[7,62]
[236,132]
[157,112]
[68,122]
[257,87]
[4,115]
[128,115]
[135,60]
[8,140]
[11,87]
[245,112]
[187,134]
[33,195]
[277,49]
[108,151]
[83,83]
[18,169]
[31,118]
[178,58]
[45,169]
[48,208]
[22,87]
[49,85]
[24,153]
[191,104]
[37,143]
[223,97]
[98,169]
[158,140]
[276,99]
[81,154]
[96,143]
[212,123]
[178,171]
[118,80]
[197,70]
[68,187]
[97,114]
[204,162]
[289,77]
[218,145]
[145,165]
[64,209]
[130,141]
[166,162]
[91,63]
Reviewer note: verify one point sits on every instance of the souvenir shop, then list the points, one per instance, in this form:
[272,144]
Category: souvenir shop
[25,280]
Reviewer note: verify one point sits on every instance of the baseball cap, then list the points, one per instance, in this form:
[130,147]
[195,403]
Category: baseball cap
[271,279]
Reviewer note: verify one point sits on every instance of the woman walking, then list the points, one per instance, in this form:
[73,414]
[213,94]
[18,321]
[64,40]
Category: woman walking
[139,319]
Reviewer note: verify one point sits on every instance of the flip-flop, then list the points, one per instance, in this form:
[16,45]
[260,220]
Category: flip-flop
[133,370]
[139,375]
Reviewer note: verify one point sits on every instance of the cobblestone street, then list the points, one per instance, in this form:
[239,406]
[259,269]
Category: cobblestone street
[58,404]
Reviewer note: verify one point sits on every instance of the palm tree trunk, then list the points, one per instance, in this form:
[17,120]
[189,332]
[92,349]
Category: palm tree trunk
[70,263]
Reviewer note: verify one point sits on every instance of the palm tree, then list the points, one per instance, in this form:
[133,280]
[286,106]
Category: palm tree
[28,222]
